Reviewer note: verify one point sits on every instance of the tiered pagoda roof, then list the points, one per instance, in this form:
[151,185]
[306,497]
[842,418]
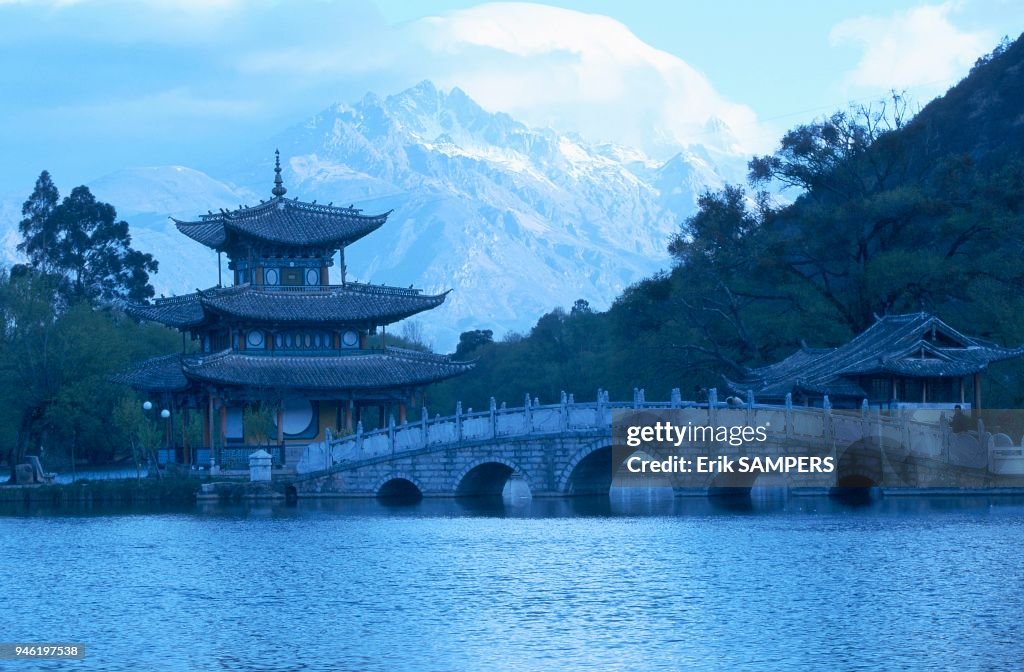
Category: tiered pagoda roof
[352,303]
[283,222]
[265,242]
[916,345]
[355,370]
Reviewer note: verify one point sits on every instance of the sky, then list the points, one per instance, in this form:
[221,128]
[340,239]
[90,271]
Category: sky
[93,86]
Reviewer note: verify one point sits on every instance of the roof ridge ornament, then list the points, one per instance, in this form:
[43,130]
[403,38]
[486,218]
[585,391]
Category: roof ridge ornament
[278,189]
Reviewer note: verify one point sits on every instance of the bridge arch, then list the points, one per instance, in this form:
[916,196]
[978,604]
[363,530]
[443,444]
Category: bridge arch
[398,487]
[591,470]
[872,461]
[486,477]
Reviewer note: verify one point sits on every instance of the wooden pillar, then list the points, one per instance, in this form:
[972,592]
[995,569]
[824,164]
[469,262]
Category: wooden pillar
[210,433]
[401,413]
[380,416]
[223,423]
[324,279]
[924,390]
[962,390]
[348,415]
[208,422]
[977,395]
[185,457]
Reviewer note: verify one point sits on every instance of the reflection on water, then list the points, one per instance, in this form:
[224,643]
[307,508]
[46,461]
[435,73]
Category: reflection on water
[634,581]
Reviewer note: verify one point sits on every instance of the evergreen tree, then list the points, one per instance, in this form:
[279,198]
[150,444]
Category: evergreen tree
[81,241]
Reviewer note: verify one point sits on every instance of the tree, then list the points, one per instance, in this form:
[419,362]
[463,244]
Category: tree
[81,242]
[55,368]
[258,423]
[471,340]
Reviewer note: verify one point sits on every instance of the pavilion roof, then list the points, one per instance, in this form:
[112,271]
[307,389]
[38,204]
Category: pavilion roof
[915,345]
[157,374]
[350,303]
[284,222]
[358,370]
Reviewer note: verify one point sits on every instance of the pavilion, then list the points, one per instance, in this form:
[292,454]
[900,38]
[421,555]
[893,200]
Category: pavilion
[911,359]
[281,338]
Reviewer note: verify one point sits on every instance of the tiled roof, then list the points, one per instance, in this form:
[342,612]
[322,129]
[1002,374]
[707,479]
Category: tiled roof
[916,345]
[283,222]
[350,303]
[179,312]
[156,374]
[373,369]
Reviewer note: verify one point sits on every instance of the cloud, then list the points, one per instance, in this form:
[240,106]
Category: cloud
[198,77]
[544,65]
[917,47]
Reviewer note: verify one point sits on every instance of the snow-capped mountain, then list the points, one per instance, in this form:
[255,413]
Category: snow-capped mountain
[516,220]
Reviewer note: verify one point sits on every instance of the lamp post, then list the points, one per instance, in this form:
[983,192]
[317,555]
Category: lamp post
[165,414]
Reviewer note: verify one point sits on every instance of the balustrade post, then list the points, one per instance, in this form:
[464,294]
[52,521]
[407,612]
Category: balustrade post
[828,429]
[750,399]
[713,406]
[493,410]
[424,420]
[563,411]
[527,415]
[636,398]
[946,432]
[359,438]
[391,431]
[458,421]
[675,398]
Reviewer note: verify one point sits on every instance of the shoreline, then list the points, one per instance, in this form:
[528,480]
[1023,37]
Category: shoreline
[170,490]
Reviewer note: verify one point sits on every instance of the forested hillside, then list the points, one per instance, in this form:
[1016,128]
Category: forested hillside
[892,213]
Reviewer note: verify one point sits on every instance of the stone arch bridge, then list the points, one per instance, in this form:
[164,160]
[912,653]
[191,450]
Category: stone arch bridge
[568,449]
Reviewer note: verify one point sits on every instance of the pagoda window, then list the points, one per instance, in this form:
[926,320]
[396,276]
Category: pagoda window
[312,277]
[254,340]
[350,339]
[291,277]
[272,276]
[303,340]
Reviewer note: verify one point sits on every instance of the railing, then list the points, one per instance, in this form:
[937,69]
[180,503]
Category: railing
[567,416]
[236,457]
[363,288]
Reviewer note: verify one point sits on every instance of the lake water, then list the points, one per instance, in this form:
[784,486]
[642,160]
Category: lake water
[634,582]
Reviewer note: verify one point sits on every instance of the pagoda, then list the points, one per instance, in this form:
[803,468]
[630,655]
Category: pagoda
[907,360]
[281,338]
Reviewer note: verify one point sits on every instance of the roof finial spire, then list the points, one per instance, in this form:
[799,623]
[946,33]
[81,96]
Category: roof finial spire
[278,189]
